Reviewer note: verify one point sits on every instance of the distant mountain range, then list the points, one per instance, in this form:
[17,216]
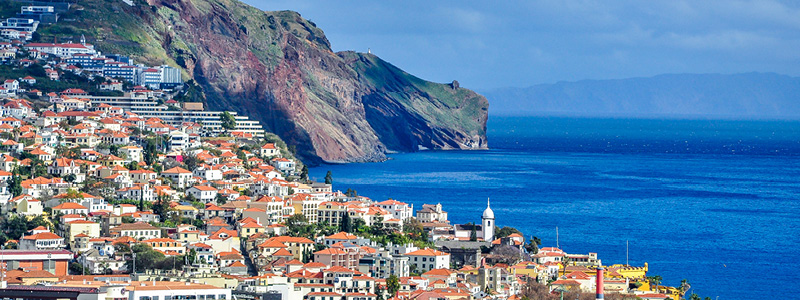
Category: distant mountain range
[747,95]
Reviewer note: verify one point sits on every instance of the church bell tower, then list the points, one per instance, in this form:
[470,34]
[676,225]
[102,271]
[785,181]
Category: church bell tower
[488,223]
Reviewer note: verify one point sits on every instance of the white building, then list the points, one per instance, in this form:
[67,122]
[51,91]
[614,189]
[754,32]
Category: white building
[42,241]
[178,140]
[180,177]
[203,193]
[424,260]
[166,290]
[133,153]
[62,50]
[20,24]
[399,210]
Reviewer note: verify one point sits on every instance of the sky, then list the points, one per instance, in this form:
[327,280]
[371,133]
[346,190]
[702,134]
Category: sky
[494,44]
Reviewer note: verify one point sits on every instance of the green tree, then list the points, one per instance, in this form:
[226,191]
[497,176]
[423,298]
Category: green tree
[228,121]
[14,185]
[70,178]
[146,258]
[304,173]
[694,297]
[506,231]
[192,256]
[345,224]
[329,178]
[533,245]
[358,225]
[392,285]
[77,269]
[191,161]
[71,196]
[221,199]
[161,207]
[473,234]
[150,151]
[298,225]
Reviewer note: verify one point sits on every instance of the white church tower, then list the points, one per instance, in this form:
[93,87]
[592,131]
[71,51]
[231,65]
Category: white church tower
[488,223]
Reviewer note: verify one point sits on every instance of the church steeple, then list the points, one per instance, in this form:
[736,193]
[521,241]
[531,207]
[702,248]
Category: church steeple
[488,213]
[487,222]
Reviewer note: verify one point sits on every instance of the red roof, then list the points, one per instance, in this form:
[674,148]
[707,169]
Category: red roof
[42,236]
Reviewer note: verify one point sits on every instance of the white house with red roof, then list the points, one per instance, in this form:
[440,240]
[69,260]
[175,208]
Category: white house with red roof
[28,206]
[340,237]
[180,177]
[28,80]
[69,208]
[11,85]
[399,210]
[113,85]
[285,165]
[203,193]
[427,259]
[269,150]
[41,240]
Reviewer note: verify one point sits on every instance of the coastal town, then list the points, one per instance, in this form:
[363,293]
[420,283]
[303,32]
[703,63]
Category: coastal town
[117,183]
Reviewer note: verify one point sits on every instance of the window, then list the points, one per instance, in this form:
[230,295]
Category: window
[49,266]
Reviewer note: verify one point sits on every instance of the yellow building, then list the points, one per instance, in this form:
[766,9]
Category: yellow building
[296,245]
[528,268]
[251,228]
[186,211]
[305,205]
[629,272]
[77,227]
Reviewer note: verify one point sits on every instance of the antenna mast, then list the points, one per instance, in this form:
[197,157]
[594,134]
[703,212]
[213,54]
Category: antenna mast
[557,246]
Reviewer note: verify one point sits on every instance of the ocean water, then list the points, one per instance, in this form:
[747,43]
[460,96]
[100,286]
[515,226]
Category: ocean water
[714,202]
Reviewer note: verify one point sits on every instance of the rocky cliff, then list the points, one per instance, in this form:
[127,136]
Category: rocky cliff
[279,68]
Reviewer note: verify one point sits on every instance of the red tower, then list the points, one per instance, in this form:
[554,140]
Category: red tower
[599,293]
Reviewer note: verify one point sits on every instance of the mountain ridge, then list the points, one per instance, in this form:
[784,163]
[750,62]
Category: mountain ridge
[278,68]
[746,95]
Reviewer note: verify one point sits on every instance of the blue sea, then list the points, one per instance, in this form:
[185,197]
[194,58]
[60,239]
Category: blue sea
[715,202]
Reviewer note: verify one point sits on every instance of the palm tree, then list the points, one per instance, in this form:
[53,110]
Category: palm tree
[565,261]
[685,286]
[655,281]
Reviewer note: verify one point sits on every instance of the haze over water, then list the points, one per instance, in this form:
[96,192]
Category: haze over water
[709,201]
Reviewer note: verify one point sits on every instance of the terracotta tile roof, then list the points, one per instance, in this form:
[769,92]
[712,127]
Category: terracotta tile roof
[342,236]
[426,252]
[69,205]
[42,236]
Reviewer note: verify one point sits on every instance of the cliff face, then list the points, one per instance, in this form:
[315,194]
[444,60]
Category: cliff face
[278,68]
